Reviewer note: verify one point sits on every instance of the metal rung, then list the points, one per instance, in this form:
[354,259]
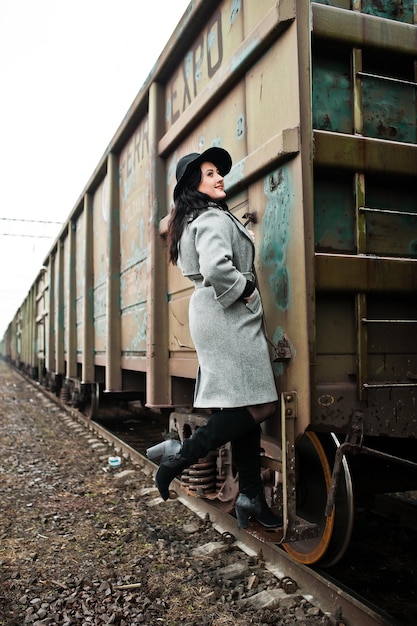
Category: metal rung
[365,209]
[366,320]
[387,385]
[389,79]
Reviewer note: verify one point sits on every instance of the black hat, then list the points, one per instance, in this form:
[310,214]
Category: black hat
[220,157]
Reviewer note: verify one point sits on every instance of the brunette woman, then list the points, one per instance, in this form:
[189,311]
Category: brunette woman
[216,252]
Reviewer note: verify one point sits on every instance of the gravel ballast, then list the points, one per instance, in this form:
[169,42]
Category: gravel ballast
[83,543]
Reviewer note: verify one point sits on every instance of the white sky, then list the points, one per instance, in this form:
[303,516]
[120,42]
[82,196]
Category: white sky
[69,71]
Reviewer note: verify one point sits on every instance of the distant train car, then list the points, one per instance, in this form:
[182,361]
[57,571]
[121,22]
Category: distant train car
[316,102]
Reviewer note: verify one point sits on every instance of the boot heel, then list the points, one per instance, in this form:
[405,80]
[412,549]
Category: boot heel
[164,449]
[257,508]
[243,510]
[242,517]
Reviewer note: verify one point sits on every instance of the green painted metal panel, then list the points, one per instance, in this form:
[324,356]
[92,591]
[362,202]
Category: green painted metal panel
[276,224]
[399,10]
[334,218]
[392,232]
[332,91]
[389,110]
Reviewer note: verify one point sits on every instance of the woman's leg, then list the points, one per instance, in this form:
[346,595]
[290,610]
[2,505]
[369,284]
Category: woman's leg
[222,426]
[246,456]
[251,500]
[261,412]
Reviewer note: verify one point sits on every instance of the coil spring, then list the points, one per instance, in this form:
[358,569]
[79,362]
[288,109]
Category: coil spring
[200,478]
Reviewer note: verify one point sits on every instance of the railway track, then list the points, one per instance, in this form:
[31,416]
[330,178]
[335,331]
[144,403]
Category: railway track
[344,607]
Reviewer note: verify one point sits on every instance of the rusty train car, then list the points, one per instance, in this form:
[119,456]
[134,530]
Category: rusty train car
[316,102]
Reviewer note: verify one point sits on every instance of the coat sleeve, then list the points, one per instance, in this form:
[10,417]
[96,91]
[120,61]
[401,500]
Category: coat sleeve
[214,235]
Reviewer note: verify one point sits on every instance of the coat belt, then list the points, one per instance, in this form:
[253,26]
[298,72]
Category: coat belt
[198,280]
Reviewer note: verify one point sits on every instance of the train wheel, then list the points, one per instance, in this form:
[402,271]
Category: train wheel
[315,459]
[93,401]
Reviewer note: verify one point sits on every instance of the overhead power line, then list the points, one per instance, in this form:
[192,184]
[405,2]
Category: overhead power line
[15,219]
[34,236]
[25,221]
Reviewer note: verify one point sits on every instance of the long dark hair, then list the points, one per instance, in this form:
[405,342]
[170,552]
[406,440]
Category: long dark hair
[188,205]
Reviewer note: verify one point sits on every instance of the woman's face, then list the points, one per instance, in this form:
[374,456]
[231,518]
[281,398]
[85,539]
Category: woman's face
[211,182]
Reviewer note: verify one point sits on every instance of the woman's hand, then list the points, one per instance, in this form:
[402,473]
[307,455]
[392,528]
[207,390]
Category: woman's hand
[251,297]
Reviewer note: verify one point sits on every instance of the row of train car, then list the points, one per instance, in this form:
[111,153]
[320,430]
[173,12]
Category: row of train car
[316,102]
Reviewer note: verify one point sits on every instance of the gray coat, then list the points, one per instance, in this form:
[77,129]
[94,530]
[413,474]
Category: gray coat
[216,253]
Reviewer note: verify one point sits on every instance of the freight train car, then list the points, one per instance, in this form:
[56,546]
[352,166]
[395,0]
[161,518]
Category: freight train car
[316,102]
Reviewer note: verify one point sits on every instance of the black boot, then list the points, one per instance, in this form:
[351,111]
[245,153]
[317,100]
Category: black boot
[246,454]
[221,427]
[171,463]
[257,508]
[168,470]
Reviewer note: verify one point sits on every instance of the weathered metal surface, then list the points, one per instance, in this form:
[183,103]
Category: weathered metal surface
[399,10]
[356,153]
[388,221]
[87,341]
[59,319]
[364,209]
[391,232]
[65,305]
[334,213]
[113,374]
[343,4]
[27,336]
[80,287]
[337,272]
[206,54]
[336,403]
[389,109]
[134,178]
[41,321]
[100,225]
[50,356]
[71,326]
[223,64]
[332,91]
[363,31]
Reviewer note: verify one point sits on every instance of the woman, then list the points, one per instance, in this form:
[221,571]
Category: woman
[216,252]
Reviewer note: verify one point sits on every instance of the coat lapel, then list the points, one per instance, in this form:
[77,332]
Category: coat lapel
[234,219]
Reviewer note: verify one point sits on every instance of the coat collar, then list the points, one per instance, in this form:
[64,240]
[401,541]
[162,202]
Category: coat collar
[242,228]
